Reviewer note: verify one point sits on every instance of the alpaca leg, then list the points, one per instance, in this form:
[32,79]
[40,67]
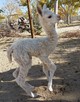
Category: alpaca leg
[15,73]
[46,71]
[51,74]
[49,70]
[25,65]
[21,81]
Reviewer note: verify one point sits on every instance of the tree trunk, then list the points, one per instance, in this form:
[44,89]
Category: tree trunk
[67,18]
[70,19]
[56,10]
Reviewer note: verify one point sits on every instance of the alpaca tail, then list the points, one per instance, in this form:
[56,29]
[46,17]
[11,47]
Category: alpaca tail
[9,54]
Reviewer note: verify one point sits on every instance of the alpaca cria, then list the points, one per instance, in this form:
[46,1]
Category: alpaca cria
[23,50]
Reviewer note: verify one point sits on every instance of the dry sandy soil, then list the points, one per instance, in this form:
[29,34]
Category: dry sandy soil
[66,82]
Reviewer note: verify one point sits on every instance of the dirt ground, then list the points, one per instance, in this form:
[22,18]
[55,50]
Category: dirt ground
[66,82]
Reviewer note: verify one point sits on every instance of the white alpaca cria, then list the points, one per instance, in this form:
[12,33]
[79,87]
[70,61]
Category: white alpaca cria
[23,50]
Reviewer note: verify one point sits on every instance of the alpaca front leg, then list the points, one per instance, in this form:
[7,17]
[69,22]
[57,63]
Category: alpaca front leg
[49,78]
[46,72]
[49,69]
[51,74]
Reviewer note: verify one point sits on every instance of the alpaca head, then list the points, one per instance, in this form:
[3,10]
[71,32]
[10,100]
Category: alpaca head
[46,16]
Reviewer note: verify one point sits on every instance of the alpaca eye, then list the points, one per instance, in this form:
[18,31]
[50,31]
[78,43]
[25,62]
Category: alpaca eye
[50,16]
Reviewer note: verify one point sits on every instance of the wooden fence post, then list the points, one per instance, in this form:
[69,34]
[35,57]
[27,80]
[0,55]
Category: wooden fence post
[30,18]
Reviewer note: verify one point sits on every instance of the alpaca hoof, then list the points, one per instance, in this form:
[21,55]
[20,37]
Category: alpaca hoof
[33,95]
[50,89]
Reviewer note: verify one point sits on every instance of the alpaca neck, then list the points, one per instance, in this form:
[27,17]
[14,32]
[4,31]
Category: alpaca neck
[51,33]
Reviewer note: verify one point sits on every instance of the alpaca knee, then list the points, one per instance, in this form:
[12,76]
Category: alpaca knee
[51,70]
[45,70]
[53,67]
[15,73]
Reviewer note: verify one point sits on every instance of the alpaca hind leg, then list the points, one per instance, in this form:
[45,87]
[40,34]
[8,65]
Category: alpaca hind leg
[15,73]
[23,84]
[25,65]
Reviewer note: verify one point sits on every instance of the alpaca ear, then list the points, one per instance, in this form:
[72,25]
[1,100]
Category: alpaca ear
[39,10]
